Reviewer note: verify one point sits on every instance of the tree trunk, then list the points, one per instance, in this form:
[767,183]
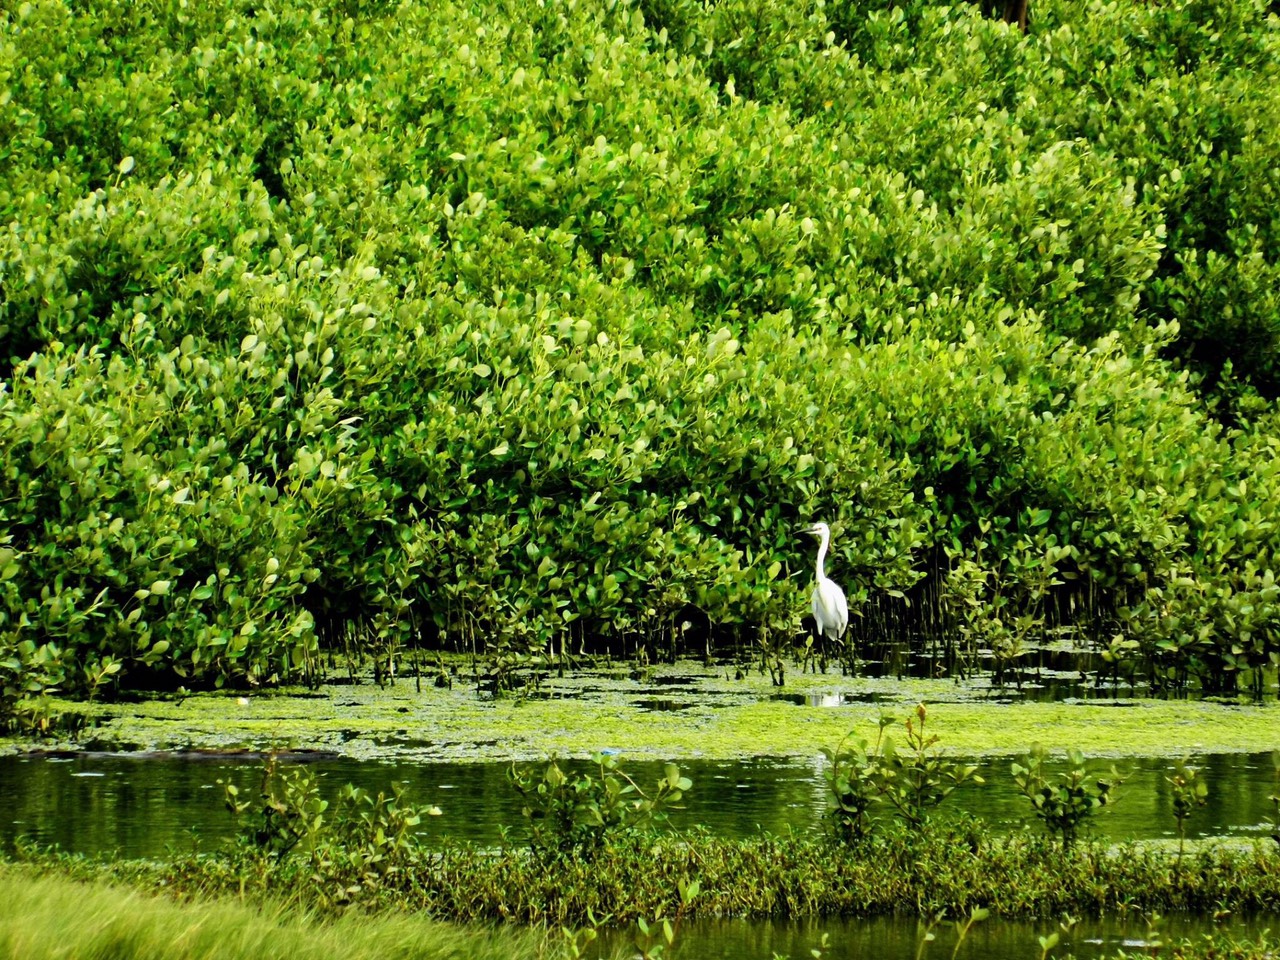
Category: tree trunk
[1010,11]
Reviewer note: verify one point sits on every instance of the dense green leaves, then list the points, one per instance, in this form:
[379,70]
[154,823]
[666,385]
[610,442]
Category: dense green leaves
[521,320]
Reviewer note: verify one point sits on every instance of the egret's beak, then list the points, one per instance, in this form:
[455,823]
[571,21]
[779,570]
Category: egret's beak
[811,529]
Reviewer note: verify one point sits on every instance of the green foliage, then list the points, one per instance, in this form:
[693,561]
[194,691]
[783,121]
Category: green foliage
[355,851]
[918,778]
[654,939]
[998,604]
[507,325]
[60,908]
[1064,802]
[853,776]
[976,915]
[904,871]
[289,811]
[579,814]
[1189,791]
[370,846]
[914,781]
[577,942]
[1050,940]
[51,911]
[1275,798]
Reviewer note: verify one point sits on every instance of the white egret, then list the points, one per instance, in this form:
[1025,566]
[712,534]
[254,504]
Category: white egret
[830,609]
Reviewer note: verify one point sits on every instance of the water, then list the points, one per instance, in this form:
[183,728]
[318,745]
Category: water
[1041,673]
[144,806]
[898,938]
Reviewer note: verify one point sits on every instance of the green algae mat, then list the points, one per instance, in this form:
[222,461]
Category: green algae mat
[681,711]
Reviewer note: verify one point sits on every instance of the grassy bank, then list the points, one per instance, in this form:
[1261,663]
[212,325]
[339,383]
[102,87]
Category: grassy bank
[46,915]
[949,869]
[56,911]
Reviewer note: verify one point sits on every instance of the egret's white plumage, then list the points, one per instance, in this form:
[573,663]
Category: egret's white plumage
[830,609]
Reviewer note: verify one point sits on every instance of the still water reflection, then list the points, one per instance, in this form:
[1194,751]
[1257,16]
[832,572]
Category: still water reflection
[898,938]
[140,807]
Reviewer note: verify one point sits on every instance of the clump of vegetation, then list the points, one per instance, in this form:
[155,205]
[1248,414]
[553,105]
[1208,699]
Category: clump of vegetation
[852,776]
[1275,798]
[919,778]
[51,913]
[512,328]
[1064,802]
[1189,791]
[577,813]
[353,852]
[913,781]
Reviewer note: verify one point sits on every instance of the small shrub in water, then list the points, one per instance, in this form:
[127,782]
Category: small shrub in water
[1189,792]
[289,812]
[369,844]
[913,781]
[1066,802]
[1275,798]
[351,853]
[919,778]
[854,779]
[576,814]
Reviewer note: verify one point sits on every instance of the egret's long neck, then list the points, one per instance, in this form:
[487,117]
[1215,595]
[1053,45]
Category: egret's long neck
[822,554]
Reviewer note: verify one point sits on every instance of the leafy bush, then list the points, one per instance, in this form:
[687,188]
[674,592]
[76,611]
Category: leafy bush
[913,781]
[852,776]
[356,850]
[579,814]
[1065,802]
[1189,791]
[504,326]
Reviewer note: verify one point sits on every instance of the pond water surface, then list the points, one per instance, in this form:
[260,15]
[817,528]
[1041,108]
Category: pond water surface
[145,805]
[898,938]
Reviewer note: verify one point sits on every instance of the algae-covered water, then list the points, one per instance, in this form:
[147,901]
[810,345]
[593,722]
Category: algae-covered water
[683,710]
[144,806]
[142,778]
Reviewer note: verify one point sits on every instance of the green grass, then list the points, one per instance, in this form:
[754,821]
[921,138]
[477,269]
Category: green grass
[949,868]
[45,915]
[50,917]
